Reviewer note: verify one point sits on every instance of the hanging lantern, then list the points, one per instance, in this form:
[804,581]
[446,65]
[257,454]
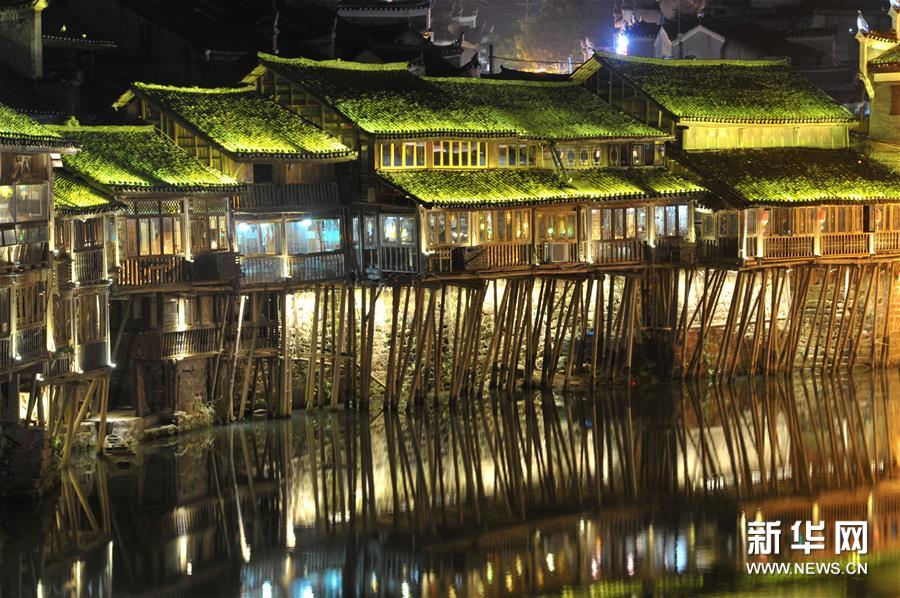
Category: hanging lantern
[764,218]
[878,215]
[822,213]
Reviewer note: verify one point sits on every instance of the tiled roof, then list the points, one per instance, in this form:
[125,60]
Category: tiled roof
[887,61]
[72,195]
[388,100]
[242,123]
[724,90]
[18,129]
[487,187]
[138,159]
[793,175]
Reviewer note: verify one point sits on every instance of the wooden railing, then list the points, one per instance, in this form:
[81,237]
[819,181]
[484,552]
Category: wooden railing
[267,269]
[268,336]
[31,343]
[92,356]
[87,265]
[724,248]
[6,356]
[559,252]
[152,270]
[214,266]
[185,343]
[398,259]
[788,247]
[844,244]
[673,249]
[262,196]
[887,242]
[316,266]
[481,258]
[618,251]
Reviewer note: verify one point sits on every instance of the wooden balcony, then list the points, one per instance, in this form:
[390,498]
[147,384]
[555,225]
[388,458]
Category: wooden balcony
[788,247]
[724,248]
[87,266]
[92,356]
[146,271]
[618,251]
[272,197]
[887,242]
[152,271]
[399,259]
[276,269]
[26,345]
[499,256]
[558,252]
[178,344]
[844,244]
[268,336]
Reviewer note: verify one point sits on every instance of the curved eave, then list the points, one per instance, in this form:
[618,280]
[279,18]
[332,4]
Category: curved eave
[254,156]
[176,189]
[764,121]
[113,207]
[47,144]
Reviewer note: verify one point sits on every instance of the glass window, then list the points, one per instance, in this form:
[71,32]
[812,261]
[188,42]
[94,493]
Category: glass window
[398,230]
[31,203]
[7,202]
[314,235]
[370,235]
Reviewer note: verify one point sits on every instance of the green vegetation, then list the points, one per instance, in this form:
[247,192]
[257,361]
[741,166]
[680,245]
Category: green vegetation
[725,90]
[388,100]
[139,159]
[242,123]
[789,175]
[515,187]
[16,128]
[71,195]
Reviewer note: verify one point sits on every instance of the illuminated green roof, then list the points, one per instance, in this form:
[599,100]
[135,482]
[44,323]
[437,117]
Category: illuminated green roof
[138,159]
[501,186]
[242,123]
[793,175]
[724,90]
[887,61]
[18,129]
[71,195]
[388,100]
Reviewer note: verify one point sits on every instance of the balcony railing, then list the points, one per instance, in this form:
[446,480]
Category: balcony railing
[268,196]
[845,244]
[887,242]
[220,266]
[152,270]
[312,267]
[481,258]
[398,259]
[92,356]
[178,344]
[87,266]
[558,252]
[788,247]
[618,251]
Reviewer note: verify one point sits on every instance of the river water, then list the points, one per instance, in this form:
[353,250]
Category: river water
[642,490]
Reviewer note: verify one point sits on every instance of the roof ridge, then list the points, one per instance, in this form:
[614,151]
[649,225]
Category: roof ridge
[675,62]
[336,64]
[193,88]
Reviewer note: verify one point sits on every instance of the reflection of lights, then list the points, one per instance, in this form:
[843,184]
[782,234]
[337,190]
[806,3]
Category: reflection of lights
[490,573]
[551,565]
[519,566]
[404,589]
[509,582]
[306,222]
[267,589]
[595,569]
[40,589]
[374,584]
[629,564]
[182,552]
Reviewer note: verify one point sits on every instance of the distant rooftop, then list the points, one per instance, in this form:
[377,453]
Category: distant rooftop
[388,100]
[723,90]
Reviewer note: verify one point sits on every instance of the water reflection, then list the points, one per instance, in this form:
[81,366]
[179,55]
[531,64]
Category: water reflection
[643,490]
